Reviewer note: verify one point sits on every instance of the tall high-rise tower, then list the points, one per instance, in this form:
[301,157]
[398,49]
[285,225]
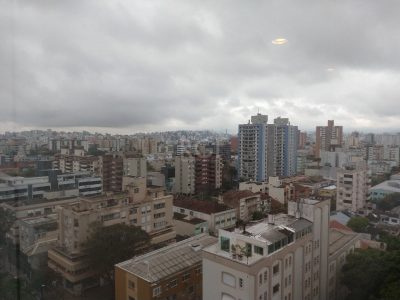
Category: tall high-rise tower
[252,151]
[282,148]
[328,137]
[267,149]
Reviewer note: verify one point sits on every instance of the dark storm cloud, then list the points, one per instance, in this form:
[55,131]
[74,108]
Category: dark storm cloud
[208,64]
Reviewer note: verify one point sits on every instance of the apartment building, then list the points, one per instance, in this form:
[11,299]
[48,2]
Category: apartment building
[284,257]
[111,170]
[375,152]
[184,175]
[352,187]
[147,208]
[255,187]
[173,272]
[56,144]
[280,191]
[86,183]
[53,186]
[186,225]
[69,161]
[341,244]
[216,214]
[267,149]
[21,188]
[283,144]
[328,137]
[208,172]
[252,149]
[36,236]
[245,202]
[135,166]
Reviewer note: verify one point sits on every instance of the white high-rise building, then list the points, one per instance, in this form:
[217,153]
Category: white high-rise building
[284,257]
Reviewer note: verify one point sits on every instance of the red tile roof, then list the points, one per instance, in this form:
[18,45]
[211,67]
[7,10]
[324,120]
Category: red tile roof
[204,206]
[335,224]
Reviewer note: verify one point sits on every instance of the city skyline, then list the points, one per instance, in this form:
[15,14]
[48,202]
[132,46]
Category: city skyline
[143,67]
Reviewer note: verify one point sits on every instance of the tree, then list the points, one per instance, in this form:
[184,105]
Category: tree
[14,288]
[7,219]
[392,242]
[372,274]
[257,215]
[107,246]
[358,224]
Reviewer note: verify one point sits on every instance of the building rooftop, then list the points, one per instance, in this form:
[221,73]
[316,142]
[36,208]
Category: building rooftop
[339,238]
[232,198]
[340,217]
[337,225]
[272,229]
[169,260]
[388,185]
[207,207]
[184,218]
[331,187]
[37,221]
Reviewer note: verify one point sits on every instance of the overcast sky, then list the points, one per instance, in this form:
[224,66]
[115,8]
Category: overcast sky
[143,65]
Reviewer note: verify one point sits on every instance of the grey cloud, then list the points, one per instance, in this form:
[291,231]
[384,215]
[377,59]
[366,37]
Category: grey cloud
[142,64]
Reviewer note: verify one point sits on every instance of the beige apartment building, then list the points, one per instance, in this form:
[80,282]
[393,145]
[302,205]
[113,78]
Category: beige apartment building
[352,187]
[150,209]
[328,137]
[341,244]
[173,272]
[282,258]
[135,166]
[184,175]
[245,203]
[75,160]
[216,214]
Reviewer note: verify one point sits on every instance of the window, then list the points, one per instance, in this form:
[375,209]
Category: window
[186,276]
[131,284]
[228,279]
[190,289]
[159,205]
[157,291]
[225,244]
[258,250]
[241,283]
[265,276]
[275,289]
[275,269]
[260,279]
[173,283]
[226,297]
[248,249]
